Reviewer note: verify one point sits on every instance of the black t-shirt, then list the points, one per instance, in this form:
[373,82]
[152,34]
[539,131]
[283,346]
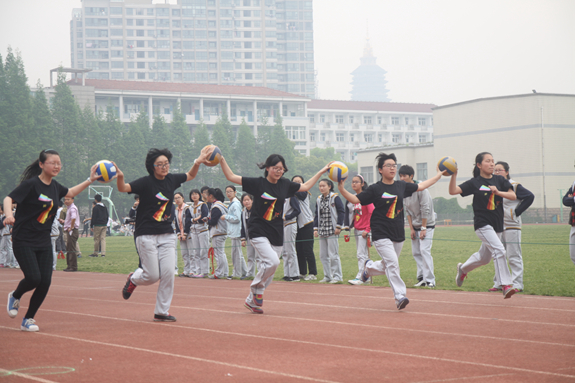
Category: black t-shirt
[487,207]
[37,206]
[156,203]
[387,218]
[267,209]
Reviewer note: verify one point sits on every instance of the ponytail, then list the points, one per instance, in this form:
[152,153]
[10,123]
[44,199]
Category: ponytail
[34,169]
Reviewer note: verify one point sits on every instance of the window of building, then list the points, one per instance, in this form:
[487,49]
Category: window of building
[422,138]
[351,119]
[351,137]
[396,138]
[394,120]
[339,119]
[406,120]
[367,173]
[322,137]
[312,136]
[367,120]
[322,118]
[340,137]
[379,120]
[312,118]
[422,121]
[368,137]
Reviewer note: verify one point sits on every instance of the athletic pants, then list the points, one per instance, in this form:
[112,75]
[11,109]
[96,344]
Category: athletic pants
[71,254]
[3,260]
[222,268]
[54,238]
[186,250]
[239,267]
[421,249]
[6,248]
[304,248]
[100,239]
[362,251]
[36,265]
[289,255]
[572,243]
[511,239]
[200,244]
[269,260]
[329,256]
[252,261]
[490,248]
[389,265]
[157,257]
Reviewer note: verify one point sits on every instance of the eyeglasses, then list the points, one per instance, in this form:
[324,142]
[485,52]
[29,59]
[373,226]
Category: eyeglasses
[54,164]
[498,170]
[394,166]
[355,182]
[163,166]
[278,169]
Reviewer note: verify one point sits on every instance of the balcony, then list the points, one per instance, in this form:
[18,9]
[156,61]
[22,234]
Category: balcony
[369,126]
[356,126]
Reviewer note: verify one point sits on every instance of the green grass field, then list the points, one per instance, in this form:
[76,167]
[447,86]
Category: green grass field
[548,267]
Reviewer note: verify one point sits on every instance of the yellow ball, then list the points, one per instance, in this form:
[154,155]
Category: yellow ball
[337,171]
[447,164]
[215,157]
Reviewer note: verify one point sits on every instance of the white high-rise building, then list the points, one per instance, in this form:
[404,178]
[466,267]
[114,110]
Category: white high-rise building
[265,43]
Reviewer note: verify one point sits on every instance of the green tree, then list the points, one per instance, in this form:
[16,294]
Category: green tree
[43,123]
[280,144]
[245,151]
[264,138]
[181,142]
[220,138]
[160,133]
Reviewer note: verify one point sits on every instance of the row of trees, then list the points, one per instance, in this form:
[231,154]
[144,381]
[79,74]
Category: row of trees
[29,123]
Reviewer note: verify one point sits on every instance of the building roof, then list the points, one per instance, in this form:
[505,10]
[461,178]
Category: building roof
[178,87]
[371,106]
[533,94]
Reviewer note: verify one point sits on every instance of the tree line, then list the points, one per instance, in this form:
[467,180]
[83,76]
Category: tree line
[30,123]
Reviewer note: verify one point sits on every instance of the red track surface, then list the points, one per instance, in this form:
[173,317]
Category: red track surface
[309,332]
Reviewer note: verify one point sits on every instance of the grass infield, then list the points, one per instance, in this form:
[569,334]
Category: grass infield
[548,267]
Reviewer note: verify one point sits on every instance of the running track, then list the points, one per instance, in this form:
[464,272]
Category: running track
[309,332]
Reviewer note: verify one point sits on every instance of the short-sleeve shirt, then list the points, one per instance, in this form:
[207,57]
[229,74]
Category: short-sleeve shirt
[487,207]
[267,209]
[387,217]
[156,203]
[37,207]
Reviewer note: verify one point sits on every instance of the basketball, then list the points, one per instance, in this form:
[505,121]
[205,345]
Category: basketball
[215,157]
[105,170]
[337,171]
[447,164]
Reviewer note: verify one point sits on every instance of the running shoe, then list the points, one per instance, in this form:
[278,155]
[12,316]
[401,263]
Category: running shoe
[355,281]
[295,279]
[13,305]
[495,289]
[164,318]
[197,276]
[129,287]
[420,283]
[431,285]
[287,279]
[365,273]
[508,291]
[310,277]
[460,275]
[258,299]
[29,324]
[336,281]
[253,309]
[402,303]
[325,280]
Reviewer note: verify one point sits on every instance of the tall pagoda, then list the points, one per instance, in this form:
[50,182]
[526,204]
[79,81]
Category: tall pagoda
[369,81]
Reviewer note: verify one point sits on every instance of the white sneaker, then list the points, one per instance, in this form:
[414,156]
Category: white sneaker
[355,281]
[13,305]
[325,280]
[29,325]
[310,277]
[420,283]
[334,281]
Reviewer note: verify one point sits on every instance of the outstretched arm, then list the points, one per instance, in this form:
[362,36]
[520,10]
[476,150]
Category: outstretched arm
[453,188]
[345,194]
[122,186]
[191,174]
[75,190]
[230,176]
[309,184]
[430,182]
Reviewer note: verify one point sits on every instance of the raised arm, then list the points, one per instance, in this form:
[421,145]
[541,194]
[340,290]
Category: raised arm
[191,174]
[75,190]
[453,188]
[230,176]
[309,184]
[430,182]
[122,186]
[345,194]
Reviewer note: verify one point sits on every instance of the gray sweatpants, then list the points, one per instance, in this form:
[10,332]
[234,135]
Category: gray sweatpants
[158,263]
[572,243]
[186,250]
[269,260]
[421,249]
[240,269]
[491,247]
[362,251]
[252,261]
[329,256]
[200,244]
[512,241]
[222,268]
[389,265]
[289,254]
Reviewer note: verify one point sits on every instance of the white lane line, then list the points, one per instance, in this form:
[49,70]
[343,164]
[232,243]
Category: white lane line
[170,354]
[463,378]
[229,333]
[25,376]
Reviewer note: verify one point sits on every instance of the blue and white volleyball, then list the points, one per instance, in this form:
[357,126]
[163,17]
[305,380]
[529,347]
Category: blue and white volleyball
[106,171]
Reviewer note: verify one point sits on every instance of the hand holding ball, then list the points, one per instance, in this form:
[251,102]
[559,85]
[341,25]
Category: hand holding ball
[105,170]
[447,165]
[214,157]
[337,171]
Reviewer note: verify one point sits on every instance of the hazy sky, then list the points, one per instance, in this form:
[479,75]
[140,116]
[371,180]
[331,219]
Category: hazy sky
[438,52]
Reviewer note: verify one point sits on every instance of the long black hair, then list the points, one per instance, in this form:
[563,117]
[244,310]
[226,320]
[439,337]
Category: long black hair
[272,160]
[506,167]
[217,193]
[328,182]
[153,155]
[297,175]
[34,169]
[478,160]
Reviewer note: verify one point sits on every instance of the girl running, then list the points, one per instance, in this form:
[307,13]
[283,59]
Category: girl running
[233,220]
[218,232]
[304,238]
[511,237]
[387,223]
[37,197]
[265,223]
[247,201]
[327,224]
[155,238]
[199,235]
[359,217]
[488,191]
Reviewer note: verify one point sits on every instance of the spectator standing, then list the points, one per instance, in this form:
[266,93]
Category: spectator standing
[99,223]
[71,225]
